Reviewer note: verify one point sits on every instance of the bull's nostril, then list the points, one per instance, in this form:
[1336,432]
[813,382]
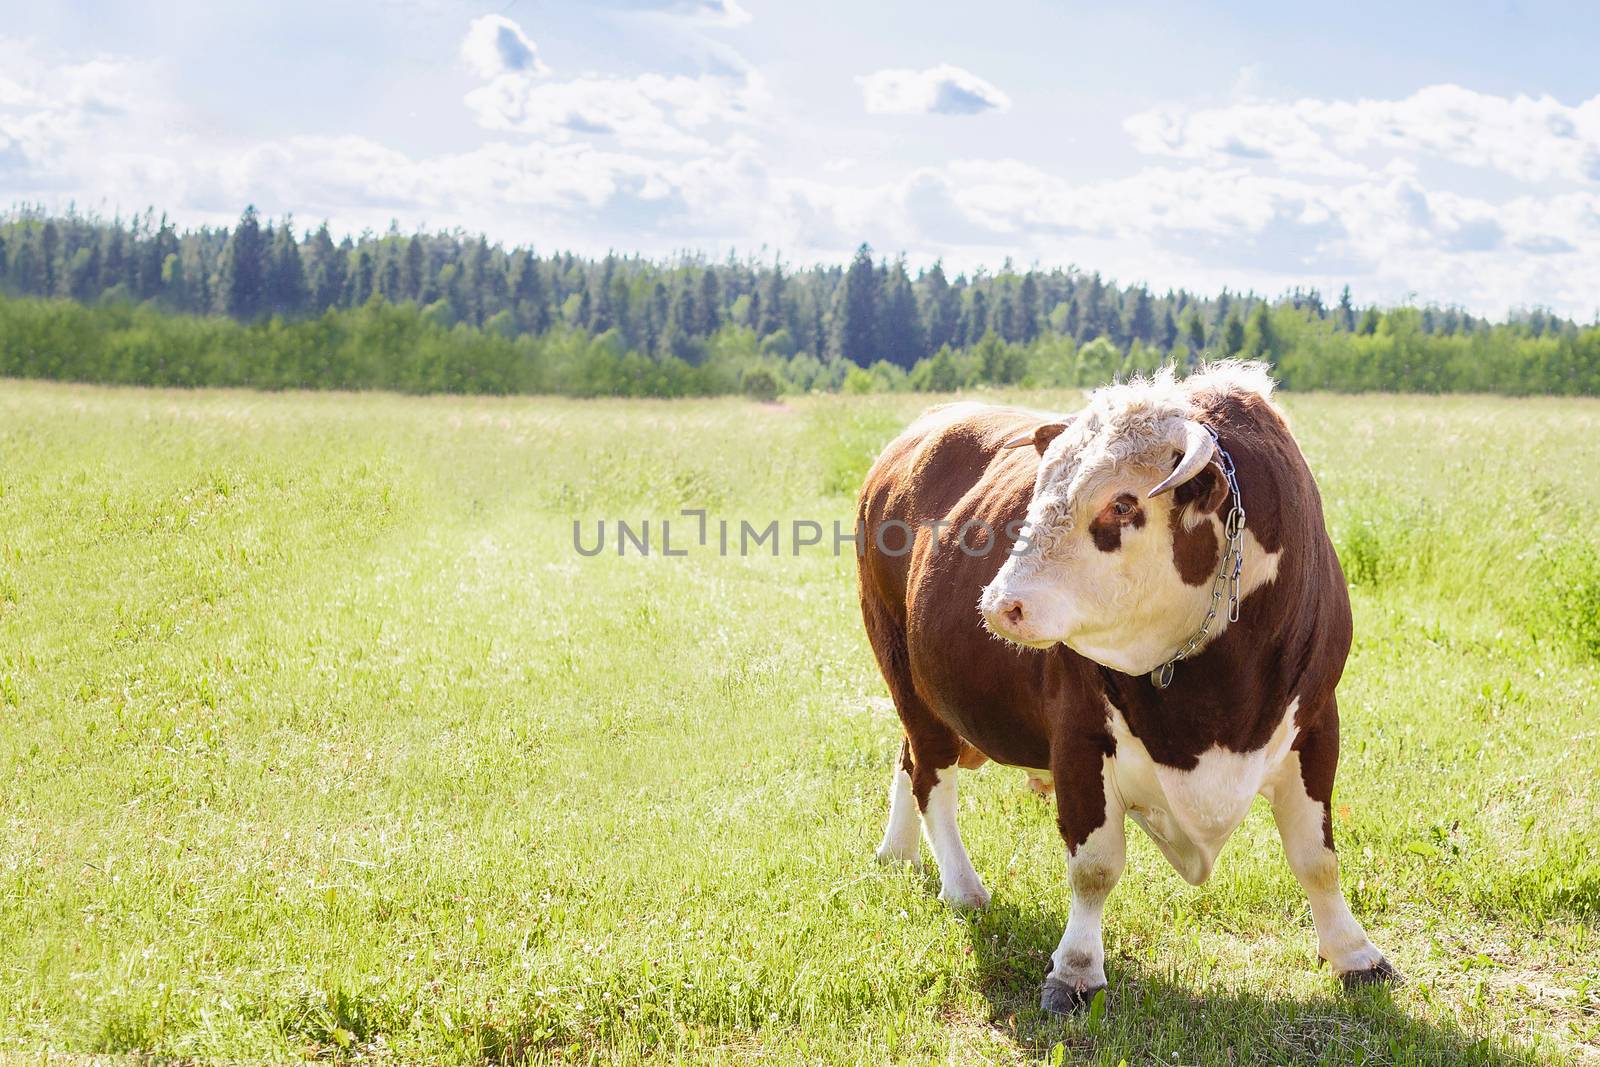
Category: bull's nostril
[1014,612]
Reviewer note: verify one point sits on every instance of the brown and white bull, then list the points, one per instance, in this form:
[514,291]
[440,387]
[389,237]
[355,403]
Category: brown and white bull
[1099,546]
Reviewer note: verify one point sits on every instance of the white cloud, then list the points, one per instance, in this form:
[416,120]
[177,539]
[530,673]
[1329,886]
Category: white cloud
[66,127]
[671,113]
[1532,139]
[496,47]
[709,12]
[666,113]
[941,90]
[660,162]
[1206,227]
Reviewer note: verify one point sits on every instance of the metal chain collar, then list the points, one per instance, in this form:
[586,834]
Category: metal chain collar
[1227,573]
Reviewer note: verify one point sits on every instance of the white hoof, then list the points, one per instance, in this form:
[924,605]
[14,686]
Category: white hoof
[965,897]
[891,854]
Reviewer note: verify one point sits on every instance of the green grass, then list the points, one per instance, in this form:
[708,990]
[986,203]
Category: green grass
[322,740]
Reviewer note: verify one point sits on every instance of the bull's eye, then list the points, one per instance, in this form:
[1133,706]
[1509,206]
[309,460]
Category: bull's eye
[1124,506]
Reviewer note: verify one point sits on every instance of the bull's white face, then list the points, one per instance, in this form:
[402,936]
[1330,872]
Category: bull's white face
[1101,575]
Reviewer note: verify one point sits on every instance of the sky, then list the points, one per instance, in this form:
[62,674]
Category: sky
[1433,152]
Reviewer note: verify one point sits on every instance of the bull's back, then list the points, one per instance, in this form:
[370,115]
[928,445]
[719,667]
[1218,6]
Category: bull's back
[949,473]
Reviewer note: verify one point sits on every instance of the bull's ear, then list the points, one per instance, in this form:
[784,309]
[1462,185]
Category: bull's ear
[1039,437]
[1206,490]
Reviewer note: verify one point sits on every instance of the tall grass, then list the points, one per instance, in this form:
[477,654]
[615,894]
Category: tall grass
[323,742]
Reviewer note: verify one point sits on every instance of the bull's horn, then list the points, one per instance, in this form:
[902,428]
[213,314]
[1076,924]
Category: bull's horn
[1197,449]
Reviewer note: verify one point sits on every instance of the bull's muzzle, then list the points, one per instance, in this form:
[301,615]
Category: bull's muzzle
[1018,618]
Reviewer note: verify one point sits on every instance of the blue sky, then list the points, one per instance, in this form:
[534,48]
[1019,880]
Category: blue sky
[1440,152]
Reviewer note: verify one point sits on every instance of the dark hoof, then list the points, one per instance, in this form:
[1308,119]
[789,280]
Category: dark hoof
[1061,999]
[1383,973]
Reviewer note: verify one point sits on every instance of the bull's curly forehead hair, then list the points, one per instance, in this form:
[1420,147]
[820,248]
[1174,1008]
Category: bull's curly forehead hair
[1131,422]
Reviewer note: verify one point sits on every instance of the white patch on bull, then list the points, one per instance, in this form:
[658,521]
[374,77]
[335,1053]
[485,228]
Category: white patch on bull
[1260,568]
[1079,961]
[1341,940]
[1190,814]
[900,840]
[1128,608]
[959,884]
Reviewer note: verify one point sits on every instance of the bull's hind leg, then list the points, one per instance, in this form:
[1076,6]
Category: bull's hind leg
[935,791]
[924,775]
[901,837]
[1302,795]
[932,792]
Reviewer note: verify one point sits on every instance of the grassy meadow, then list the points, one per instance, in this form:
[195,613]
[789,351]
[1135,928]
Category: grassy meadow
[322,740]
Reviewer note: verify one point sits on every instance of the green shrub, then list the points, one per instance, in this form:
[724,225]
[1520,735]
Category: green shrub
[859,382]
[1566,604]
[759,384]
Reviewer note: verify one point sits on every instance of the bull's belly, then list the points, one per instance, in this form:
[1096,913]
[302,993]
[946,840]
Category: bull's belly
[1190,814]
[1000,737]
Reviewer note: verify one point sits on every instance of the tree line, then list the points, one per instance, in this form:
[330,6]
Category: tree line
[265,304]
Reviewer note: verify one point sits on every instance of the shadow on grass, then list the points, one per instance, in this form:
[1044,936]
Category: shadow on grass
[1153,1017]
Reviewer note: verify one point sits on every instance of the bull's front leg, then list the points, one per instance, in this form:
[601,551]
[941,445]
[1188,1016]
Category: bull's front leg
[1302,796]
[1092,823]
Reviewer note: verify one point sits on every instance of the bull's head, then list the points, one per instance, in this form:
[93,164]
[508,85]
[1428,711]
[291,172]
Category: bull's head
[1123,538]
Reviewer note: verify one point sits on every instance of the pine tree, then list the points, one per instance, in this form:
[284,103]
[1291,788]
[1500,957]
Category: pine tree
[710,302]
[855,318]
[900,327]
[684,318]
[1167,335]
[941,307]
[113,261]
[1094,319]
[197,275]
[1027,324]
[285,290]
[364,279]
[453,291]
[414,266]
[658,310]
[1345,316]
[1003,319]
[1220,312]
[476,289]
[974,318]
[329,266]
[240,278]
[771,319]
[49,251]
[152,256]
[26,275]
[82,280]
[1233,335]
[174,286]
[1261,338]
[389,269]
[1141,318]
[528,295]
[621,300]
